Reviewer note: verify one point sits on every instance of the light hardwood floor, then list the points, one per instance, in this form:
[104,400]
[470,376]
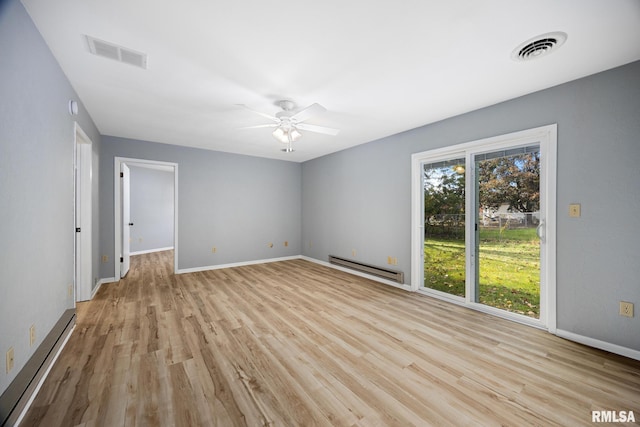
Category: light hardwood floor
[295,343]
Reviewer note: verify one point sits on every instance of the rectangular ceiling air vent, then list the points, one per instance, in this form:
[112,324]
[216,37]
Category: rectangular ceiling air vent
[118,53]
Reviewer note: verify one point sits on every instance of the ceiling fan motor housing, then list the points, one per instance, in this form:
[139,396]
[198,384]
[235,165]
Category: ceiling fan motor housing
[286,104]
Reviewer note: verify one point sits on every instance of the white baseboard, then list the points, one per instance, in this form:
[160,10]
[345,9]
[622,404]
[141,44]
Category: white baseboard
[101,282]
[148,251]
[107,280]
[95,290]
[357,273]
[602,345]
[235,264]
[317,261]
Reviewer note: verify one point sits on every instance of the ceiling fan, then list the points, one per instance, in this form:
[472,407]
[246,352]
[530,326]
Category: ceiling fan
[288,123]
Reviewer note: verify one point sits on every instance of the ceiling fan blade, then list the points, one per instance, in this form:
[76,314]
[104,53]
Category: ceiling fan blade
[271,125]
[275,119]
[307,113]
[318,129]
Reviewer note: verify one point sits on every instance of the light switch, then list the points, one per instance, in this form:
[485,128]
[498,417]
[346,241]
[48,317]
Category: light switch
[574,210]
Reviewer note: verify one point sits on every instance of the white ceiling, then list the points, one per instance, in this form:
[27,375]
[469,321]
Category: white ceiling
[379,67]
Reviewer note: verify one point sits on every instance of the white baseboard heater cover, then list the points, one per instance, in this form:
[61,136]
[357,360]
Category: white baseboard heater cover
[385,273]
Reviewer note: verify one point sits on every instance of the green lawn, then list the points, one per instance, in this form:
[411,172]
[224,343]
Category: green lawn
[509,269]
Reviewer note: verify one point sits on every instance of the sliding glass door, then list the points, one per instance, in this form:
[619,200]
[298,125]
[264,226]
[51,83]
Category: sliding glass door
[507,215]
[444,226]
[484,225]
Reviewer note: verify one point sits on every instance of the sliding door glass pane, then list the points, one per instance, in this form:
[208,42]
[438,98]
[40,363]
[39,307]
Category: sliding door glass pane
[507,245]
[444,226]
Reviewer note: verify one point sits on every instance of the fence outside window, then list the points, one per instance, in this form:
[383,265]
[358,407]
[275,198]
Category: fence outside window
[452,225]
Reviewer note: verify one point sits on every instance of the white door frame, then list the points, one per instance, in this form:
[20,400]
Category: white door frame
[117,207]
[83,262]
[546,136]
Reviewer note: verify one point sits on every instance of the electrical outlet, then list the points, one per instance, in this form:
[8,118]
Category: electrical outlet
[574,210]
[105,258]
[389,260]
[214,250]
[70,290]
[270,245]
[32,335]
[626,309]
[286,243]
[10,359]
[394,261]
[353,252]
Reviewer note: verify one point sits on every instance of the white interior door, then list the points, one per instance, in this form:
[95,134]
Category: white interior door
[125,256]
[83,267]
[78,223]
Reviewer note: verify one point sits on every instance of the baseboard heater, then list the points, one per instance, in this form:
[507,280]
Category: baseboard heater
[396,276]
[17,395]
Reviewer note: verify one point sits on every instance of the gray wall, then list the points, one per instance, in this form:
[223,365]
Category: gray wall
[360,198]
[239,204]
[36,186]
[151,209]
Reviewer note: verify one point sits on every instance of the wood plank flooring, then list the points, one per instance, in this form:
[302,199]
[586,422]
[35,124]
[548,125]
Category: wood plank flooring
[297,344]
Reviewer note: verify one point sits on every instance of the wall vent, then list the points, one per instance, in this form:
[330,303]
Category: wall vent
[396,276]
[538,46]
[117,53]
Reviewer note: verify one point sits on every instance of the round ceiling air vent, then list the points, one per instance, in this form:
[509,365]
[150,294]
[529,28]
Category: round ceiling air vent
[538,46]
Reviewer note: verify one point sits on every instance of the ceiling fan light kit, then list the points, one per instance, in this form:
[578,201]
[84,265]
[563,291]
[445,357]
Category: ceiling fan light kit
[283,135]
[288,124]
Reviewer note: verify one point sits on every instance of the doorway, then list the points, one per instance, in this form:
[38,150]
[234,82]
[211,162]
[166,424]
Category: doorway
[82,212]
[123,221]
[483,218]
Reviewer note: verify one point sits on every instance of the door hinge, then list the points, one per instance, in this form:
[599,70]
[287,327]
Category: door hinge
[121,174]
[121,259]
[77,229]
